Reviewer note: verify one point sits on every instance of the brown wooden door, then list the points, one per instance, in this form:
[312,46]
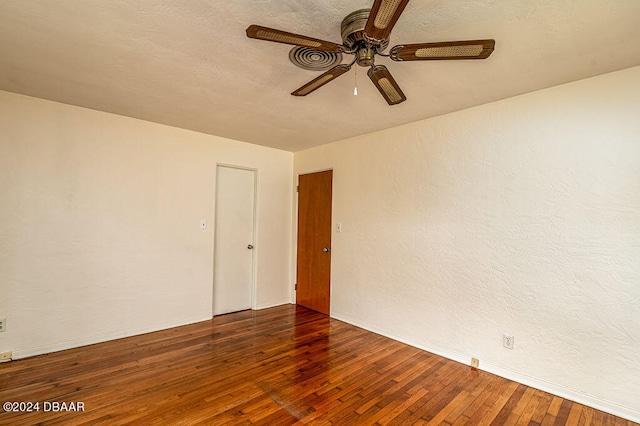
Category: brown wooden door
[314,241]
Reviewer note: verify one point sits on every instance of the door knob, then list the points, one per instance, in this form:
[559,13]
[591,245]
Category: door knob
[326,249]
[249,246]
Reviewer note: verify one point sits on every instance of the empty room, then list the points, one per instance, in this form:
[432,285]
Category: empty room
[288,212]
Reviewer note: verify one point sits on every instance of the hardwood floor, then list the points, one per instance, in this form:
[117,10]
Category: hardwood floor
[277,366]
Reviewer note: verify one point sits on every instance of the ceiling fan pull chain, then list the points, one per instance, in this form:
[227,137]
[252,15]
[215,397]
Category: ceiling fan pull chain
[355,82]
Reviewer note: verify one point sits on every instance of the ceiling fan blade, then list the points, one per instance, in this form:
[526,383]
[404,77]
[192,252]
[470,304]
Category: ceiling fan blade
[470,49]
[321,80]
[270,34]
[385,83]
[382,18]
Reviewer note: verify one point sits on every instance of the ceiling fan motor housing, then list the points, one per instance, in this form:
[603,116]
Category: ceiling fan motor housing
[353,37]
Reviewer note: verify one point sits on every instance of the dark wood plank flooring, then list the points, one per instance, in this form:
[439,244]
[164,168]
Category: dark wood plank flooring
[278,366]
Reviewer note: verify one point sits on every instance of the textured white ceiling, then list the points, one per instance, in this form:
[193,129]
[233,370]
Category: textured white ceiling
[189,64]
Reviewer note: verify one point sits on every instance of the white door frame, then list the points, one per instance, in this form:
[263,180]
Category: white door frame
[254,251]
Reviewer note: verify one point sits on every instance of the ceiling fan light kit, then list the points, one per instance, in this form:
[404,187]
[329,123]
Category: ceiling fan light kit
[365,34]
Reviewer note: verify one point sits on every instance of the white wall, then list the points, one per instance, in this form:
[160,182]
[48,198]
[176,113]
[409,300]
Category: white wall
[521,216]
[99,224]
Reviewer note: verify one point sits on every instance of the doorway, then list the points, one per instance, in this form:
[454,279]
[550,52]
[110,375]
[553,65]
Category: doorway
[233,277]
[313,276]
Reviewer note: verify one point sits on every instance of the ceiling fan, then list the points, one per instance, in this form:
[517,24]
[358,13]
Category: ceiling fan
[365,33]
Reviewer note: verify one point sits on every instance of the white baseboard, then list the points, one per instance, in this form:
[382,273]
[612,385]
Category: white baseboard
[607,406]
[628,413]
[273,304]
[100,338]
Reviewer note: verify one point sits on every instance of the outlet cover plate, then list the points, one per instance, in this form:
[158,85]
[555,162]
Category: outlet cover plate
[507,341]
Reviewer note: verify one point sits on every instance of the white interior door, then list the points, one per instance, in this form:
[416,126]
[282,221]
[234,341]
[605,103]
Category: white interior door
[234,239]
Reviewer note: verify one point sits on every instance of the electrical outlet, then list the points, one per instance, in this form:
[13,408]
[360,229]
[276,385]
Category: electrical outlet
[507,341]
[3,324]
[475,362]
[5,356]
